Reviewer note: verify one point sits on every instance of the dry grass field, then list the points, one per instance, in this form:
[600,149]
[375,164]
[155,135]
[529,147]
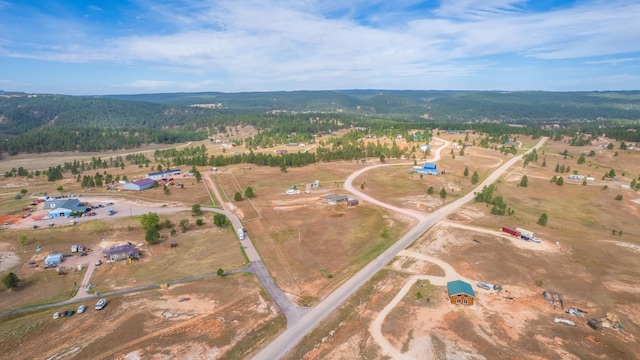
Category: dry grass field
[310,247]
[591,268]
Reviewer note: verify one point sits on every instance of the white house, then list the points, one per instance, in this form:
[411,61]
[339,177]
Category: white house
[53,260]
[163,174]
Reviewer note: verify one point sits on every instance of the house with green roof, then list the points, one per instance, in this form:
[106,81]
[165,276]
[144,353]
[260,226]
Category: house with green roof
[460,293]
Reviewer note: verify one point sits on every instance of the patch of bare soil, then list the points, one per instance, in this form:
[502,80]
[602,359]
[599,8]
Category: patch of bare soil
[200,320]
[515,323]
[8,259]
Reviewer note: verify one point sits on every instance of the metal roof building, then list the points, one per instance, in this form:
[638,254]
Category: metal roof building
[139,185]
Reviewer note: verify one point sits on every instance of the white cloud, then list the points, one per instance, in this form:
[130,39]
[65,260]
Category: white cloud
[295,42]
[614,61]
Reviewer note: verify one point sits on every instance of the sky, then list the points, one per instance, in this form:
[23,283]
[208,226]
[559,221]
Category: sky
[80,47]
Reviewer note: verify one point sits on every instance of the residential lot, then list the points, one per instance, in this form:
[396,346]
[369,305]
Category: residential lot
[579,258]
[311,246]
[223,317]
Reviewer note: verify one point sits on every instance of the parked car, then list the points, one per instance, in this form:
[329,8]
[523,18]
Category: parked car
[81,309]
[101,304]
[483,285]
[64,313]
[56,315]
[70,313]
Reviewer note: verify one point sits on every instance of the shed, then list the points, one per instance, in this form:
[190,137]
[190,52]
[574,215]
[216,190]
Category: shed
[352,202]
[122,252]
[139,185]
[460,293]
[53,260]
[334,199]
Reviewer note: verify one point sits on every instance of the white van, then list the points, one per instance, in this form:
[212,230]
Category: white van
[241,234]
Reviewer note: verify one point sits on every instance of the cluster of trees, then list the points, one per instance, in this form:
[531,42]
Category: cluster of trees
[98,180]
[91,139]
[499,206]
[192,155]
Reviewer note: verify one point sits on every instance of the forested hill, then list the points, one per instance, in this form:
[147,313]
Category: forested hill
[21,113]
[452,106]
[44,123]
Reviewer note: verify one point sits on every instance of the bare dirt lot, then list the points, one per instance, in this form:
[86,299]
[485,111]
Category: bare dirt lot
[223,317]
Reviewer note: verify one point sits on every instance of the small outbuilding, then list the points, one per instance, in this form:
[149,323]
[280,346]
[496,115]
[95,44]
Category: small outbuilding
[53,260]
[334,198]
[352,202]
[122,252]
[460,293]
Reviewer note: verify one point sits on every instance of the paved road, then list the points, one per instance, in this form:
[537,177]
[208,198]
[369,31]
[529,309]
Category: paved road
[293,334]
[290,310]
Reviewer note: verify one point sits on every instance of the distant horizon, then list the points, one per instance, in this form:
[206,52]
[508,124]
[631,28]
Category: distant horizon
[329,90]
[145,47]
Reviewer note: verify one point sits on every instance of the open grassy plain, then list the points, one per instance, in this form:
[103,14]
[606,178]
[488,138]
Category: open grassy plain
[590,267]
[309,246]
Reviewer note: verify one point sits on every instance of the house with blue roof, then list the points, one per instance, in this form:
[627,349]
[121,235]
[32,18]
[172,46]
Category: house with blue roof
[427,168]
[460,293]
[64,207]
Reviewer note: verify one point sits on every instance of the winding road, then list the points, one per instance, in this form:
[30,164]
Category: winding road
[296,332]
[301,321]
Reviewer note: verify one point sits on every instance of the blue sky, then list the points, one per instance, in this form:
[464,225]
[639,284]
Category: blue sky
[145,46]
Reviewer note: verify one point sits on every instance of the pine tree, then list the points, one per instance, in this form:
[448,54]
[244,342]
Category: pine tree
[10,281]
[443,193]
[475,178]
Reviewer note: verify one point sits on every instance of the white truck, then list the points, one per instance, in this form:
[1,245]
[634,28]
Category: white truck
[525,234]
